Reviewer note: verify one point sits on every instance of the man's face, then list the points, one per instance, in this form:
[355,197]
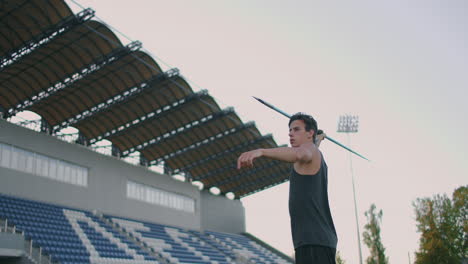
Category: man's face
[298,135]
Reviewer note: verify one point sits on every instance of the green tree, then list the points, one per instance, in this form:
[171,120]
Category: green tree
[339,259]
[443,224]
[371,236]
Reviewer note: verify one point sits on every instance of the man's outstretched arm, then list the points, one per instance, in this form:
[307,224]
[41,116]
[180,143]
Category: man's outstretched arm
[287,154]
[303,154]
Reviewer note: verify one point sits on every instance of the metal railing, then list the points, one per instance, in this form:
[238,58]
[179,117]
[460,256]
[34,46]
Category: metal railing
[34,253]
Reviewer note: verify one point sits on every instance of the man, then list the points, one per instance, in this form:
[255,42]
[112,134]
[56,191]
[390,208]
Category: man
[313,231]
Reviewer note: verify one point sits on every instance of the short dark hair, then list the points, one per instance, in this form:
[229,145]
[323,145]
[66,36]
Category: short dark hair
[309,121]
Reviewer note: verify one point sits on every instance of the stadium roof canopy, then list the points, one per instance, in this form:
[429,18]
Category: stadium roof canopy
[74,71]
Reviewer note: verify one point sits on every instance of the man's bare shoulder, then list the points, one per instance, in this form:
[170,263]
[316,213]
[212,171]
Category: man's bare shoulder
[312,166]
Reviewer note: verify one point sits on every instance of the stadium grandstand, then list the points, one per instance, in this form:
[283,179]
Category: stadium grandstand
[125,162]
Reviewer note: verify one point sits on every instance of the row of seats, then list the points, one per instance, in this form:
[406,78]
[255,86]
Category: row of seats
[54,228]
[173,243]
[240,246]
[25,215]
[79,237]
[102,242]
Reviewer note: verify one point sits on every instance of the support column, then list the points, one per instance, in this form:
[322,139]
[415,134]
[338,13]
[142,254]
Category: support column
[144,161]
[116,151]
[82,140]
[45,127]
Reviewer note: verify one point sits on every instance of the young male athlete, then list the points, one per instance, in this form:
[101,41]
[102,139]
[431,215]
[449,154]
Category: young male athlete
[313,231]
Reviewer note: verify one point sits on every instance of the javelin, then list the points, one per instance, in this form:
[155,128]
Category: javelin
[327,137]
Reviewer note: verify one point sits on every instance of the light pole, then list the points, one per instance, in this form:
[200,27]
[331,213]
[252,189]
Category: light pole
[349,124]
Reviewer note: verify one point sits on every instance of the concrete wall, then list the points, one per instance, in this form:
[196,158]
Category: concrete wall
[106,190]
[11,245]
[221,214]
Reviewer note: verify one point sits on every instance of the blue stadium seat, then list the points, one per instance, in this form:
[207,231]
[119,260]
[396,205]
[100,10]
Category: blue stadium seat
[241,245]
[176,244]
[51,227]
[79,237]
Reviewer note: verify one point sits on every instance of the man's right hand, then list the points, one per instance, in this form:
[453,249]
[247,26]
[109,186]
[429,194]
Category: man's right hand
[246,159]
[319,138]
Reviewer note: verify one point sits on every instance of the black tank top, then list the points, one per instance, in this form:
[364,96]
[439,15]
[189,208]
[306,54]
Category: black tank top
[311,220]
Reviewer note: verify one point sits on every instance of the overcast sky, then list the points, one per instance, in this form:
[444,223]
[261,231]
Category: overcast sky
[399,65]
